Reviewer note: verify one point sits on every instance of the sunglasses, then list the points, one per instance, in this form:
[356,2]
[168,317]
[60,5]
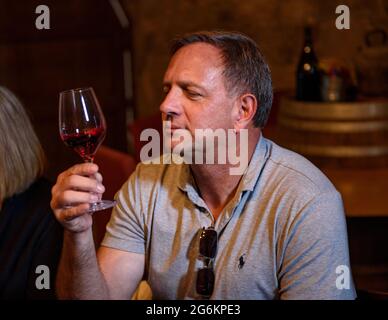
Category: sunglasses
[208,242]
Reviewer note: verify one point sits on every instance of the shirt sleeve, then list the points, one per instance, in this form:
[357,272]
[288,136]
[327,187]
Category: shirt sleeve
[125,230]
[315,262]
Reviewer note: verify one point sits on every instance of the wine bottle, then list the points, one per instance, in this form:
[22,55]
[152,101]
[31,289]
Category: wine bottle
[308,75]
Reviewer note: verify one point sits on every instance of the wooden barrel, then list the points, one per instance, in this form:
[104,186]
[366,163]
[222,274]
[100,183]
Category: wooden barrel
[345,134]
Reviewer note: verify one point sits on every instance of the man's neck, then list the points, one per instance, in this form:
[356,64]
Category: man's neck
[216,185]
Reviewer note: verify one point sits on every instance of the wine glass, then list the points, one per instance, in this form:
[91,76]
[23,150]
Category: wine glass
[82,127]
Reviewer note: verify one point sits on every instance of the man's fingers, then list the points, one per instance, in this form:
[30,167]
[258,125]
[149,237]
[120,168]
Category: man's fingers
[75,189]
[72,197]
[83,169]
[98,177]
[77,182]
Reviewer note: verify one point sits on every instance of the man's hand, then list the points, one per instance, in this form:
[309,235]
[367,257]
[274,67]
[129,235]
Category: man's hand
[72,194]
[116,273]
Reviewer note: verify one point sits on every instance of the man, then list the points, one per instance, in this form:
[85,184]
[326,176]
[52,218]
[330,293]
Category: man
[196,231]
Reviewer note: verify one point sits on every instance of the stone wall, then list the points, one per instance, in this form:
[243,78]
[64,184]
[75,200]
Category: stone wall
[277,26]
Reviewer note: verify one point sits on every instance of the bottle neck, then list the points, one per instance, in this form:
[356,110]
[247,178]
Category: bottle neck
[308,33]
[308,38]
[308,50]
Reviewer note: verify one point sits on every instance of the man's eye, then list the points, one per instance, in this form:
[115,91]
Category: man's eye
[166,90]
[193,94]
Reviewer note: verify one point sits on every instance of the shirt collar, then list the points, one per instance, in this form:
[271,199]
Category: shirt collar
[253,171]
[186,181]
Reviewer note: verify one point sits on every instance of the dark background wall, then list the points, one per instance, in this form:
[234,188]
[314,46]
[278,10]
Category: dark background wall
[83,48]
[276,25]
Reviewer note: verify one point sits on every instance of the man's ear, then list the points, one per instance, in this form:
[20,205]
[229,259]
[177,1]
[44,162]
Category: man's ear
[247,106]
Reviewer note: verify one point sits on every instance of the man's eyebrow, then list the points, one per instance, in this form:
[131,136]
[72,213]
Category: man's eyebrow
[185,84]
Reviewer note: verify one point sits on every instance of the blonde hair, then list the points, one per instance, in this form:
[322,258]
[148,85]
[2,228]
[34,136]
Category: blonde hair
[22,158]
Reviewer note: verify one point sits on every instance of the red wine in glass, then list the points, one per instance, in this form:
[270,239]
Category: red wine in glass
[82,128]
[85,143]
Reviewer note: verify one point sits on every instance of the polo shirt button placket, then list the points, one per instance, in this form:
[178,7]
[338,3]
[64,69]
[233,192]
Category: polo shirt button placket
[205,211]
[202,209]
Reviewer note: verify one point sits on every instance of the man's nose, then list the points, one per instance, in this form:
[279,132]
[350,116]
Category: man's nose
[171,104]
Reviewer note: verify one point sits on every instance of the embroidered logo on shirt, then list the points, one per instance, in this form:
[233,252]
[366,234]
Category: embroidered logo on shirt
[241,261]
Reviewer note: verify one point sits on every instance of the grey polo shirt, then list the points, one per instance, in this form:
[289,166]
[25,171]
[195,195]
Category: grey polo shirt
[282,236]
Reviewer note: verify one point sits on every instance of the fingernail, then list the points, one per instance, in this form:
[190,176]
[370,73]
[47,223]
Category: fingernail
[94,198]
[100,188]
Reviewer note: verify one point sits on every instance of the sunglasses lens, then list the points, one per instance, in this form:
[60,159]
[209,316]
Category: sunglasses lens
[205,282]
[208,243]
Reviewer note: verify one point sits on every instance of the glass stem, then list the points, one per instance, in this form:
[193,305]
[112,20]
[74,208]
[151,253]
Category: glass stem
[90,160]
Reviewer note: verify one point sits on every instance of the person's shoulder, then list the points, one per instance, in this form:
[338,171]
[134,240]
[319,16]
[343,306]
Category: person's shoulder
[33,204]
[39,202]
[38,191]
[42,184]
[294,185]
[296,171]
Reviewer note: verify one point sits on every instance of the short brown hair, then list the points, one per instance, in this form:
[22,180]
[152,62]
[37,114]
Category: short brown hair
[245,67]
[22,157]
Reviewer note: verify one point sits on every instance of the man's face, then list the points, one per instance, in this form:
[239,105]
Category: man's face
[195,93]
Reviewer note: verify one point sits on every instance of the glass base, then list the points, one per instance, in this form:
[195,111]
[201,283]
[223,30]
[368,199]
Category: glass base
[101,205]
